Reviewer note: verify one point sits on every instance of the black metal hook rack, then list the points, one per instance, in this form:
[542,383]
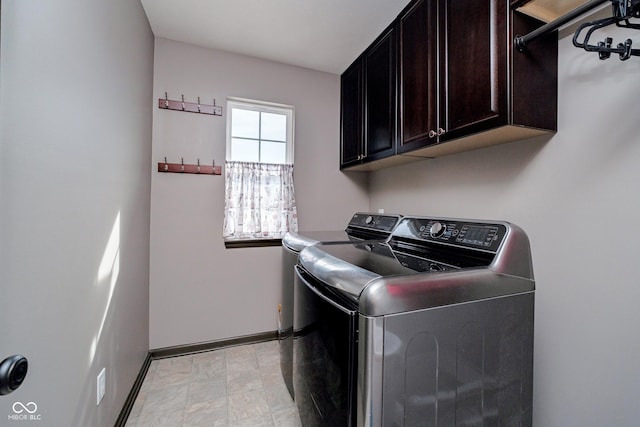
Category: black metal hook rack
[623,11]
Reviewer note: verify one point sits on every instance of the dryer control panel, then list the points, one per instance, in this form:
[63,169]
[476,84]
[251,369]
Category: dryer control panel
[374,221]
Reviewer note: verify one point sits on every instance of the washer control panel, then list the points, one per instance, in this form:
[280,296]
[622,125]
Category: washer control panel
[473,235]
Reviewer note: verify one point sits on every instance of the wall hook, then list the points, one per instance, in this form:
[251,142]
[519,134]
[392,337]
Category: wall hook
[198,168]
[166,165]
[181,165]
[166,100]
[182,102]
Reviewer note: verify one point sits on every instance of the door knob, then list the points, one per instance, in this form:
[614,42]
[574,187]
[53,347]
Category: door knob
[13,371]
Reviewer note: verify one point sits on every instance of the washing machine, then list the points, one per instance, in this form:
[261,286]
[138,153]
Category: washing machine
[362,227]
[433,326]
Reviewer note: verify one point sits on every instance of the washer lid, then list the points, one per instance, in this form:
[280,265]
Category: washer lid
[348,268]
[362,226]
[300,240]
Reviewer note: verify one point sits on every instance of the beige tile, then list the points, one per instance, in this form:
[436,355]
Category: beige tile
[232,387]
[264,421]
[243,382]
[172,371]
[272,379]
[211,366]
[204,391]
[173,398]
[278,398]
[208,369]
[241,363]
[268,360]
[286,418]
[170,418]
[248,405]
[240,351]
[212,413]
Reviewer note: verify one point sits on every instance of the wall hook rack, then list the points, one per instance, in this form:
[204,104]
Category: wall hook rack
[183,167]
[190,107]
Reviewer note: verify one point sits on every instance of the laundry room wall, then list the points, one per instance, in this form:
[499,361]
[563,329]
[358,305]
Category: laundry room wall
[200,291]
[575,194]
[75,144]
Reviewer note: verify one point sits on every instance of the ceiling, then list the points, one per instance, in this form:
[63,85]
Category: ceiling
[324,35]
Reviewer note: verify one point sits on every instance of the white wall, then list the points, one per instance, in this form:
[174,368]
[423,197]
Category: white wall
[200,291]
[576,196]
[76,84]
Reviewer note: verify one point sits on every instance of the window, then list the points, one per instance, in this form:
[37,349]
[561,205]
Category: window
[260,202]
[259,132]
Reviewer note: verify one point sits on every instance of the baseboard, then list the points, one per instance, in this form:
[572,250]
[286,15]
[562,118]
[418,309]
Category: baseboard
[183,350]
[133,394]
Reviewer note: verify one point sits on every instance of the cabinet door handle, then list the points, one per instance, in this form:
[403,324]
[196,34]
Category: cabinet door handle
[441,131]
[432,133]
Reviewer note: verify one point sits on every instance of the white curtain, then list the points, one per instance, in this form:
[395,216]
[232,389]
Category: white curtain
[260,202]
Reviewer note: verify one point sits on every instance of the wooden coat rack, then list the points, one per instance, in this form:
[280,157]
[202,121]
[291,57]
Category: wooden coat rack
[190,107]
[183,167]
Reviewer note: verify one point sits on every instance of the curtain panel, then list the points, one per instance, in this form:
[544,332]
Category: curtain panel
[260,201]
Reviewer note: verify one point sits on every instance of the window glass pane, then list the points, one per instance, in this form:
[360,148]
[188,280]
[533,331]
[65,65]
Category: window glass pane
[245,123]
[273,152]
[274,126]
[245,150]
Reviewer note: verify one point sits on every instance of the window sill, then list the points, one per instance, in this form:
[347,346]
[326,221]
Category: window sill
[255,243]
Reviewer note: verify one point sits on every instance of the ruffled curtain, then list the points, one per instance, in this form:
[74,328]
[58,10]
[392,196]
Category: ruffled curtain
[260,201]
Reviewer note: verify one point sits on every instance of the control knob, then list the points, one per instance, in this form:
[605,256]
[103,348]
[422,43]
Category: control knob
[368,220]
[437,229]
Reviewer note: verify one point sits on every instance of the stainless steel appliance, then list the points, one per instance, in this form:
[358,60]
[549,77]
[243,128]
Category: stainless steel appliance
[432,328]
[363,226]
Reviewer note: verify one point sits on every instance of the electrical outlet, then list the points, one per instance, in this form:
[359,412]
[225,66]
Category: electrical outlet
[101,385]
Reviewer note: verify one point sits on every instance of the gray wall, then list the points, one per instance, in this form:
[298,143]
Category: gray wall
[75,116]
[200,291]
[576,196]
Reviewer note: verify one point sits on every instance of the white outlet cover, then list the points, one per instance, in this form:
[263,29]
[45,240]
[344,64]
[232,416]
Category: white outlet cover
[102,385]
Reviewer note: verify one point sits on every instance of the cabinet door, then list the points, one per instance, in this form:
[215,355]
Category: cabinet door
[474,65]
[351,114]
[418,75]
[380,97]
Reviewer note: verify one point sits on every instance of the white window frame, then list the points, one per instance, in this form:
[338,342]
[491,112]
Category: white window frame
[264,107]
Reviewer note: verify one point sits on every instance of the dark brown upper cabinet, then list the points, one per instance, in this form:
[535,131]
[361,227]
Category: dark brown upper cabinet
[487,91]
[380,97]
[418,73]
[462,84]
[351,101]
[368,97]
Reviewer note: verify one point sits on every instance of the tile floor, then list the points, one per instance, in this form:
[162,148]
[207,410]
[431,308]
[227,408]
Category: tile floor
[230,387]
